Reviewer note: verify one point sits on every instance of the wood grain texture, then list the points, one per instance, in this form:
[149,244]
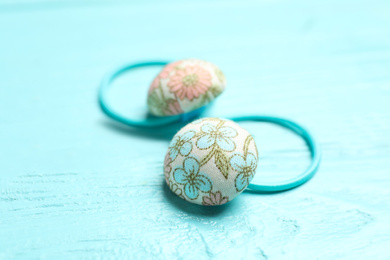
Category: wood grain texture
[75,185]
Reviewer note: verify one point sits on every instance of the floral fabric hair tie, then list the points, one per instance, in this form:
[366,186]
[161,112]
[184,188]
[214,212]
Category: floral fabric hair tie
[211,160]
[184,86]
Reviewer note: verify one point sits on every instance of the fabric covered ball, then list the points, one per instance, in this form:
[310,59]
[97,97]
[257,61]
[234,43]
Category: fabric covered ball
[184,86]
[210,161]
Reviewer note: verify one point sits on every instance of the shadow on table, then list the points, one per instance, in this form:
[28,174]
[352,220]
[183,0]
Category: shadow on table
[165,132]
[157,133]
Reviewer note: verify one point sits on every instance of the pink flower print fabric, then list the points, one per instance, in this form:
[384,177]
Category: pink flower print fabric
[190,82]
[184,86]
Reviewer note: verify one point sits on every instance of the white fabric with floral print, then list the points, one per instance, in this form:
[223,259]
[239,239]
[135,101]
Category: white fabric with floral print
[184,86]
[210,161]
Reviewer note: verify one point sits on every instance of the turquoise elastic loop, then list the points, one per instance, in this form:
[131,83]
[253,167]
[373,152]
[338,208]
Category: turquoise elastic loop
[109,111]
[167,120]
[303,177]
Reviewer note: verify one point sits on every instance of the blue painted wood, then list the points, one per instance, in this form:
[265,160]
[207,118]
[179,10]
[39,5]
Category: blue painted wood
[73,184]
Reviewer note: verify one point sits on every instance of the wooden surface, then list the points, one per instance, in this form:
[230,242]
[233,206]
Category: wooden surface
[74,184]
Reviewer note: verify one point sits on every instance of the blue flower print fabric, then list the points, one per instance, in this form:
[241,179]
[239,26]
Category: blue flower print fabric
[210,161]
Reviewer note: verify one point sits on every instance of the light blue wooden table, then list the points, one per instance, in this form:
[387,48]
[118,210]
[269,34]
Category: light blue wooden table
[74,184]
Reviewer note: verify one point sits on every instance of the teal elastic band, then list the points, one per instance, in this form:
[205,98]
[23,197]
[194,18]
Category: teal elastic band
[153,121]
[311,143]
